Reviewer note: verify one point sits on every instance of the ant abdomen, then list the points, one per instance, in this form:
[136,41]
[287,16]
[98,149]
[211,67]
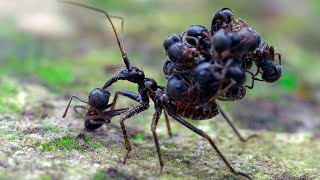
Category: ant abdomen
[236,73]
[177,52]
[170,40]
[221,41]
[203,73]
[93,124]
[272,73]
[175,88]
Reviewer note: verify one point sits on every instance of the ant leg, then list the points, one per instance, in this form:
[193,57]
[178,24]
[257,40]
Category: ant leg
[221,91]
[65,112]
[204,135]
[131,95]
[76,111]
[154,124]
[168,124]
[127,115]
[252,77]
[279,57]
[234,128]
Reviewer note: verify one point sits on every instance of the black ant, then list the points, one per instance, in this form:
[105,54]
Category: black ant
[149,90]
[264,59]
[97,112]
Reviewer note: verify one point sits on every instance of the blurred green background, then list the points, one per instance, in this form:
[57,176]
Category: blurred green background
[70,50]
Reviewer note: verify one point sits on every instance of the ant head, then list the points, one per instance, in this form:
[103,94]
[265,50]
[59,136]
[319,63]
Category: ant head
[136,72]
[151,85]
[170,40]
[175,88]
[271,71]
[98,99]
[221,17]
[195,34]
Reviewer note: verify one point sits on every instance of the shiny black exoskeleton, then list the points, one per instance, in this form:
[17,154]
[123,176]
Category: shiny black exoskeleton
[221,19]
[97,112]
[197,76]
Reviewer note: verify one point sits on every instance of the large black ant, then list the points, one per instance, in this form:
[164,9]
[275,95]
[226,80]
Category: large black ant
[223,76]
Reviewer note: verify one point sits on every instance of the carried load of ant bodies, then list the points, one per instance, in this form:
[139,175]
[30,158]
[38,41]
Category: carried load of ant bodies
[202,67]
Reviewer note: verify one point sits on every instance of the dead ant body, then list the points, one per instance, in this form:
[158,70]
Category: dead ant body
[170,99]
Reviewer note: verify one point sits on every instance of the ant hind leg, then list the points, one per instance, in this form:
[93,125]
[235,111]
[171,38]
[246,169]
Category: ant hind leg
[234,128]
[204,135]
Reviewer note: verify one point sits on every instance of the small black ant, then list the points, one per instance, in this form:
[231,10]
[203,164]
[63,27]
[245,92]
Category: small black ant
[97,112]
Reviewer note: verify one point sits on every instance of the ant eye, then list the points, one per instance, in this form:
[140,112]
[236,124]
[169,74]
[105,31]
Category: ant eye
[221,41]
[99,98]
[175,87]
[175,51]
[170,40]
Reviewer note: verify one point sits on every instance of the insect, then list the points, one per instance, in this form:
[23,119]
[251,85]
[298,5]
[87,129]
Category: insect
[97,112]
[194,65]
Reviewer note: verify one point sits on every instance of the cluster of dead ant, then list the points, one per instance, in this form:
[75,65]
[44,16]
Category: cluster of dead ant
[203,66]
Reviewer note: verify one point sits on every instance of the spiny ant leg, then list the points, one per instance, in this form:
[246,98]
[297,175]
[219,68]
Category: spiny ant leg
[128,94]
[234,128]
[168,124]
[154,124]
[127,115]
[204,135]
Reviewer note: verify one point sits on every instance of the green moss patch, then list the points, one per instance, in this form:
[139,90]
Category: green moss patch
[71,143]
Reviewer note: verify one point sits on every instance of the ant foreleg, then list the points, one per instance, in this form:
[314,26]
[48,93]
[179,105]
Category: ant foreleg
[234,128]
[154,124]
[127,115]
[65,112]
[204,135]
[75,108]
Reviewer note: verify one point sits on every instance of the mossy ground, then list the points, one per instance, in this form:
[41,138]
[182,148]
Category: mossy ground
[34,146]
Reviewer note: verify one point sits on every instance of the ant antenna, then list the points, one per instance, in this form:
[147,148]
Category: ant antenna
[120,43]
[65,112]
